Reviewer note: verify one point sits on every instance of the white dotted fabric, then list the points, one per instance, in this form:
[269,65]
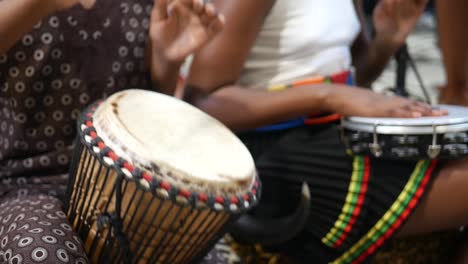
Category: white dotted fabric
[66,62]
[34,229]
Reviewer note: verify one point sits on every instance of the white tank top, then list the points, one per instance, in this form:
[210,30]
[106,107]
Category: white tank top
[302,38]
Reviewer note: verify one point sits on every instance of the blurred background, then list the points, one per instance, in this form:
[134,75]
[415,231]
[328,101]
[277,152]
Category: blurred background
[422,56]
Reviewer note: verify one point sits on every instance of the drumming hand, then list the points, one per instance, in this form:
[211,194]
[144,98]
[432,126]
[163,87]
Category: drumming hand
[365,103]
[181,28]
[395,19]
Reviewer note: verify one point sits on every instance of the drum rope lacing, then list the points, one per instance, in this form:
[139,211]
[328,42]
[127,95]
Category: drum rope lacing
[234,204]
[115,221]
[163,189]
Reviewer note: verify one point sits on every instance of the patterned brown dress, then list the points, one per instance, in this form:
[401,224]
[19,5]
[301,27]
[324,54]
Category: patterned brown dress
[67,61]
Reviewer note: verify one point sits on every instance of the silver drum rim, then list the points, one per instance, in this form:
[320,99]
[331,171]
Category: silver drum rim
[453,123]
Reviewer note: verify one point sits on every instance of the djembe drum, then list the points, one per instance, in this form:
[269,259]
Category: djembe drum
[155,180]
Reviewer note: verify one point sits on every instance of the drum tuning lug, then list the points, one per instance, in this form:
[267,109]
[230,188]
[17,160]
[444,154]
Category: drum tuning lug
[462,138]
[376,150]
[433,151]
[375,147]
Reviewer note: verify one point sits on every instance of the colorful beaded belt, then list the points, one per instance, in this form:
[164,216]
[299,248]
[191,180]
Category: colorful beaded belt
[345,77]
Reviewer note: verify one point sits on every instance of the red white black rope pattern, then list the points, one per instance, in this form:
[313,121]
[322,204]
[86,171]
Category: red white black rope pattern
[153,182]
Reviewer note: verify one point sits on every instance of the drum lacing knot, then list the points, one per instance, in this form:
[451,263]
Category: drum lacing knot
[105,151]
[192,200]
[115,222]
[154,184]
[211,201]
[103,220]
[95,141]
[88,130]
[120,162]
[173,192]
[137,173]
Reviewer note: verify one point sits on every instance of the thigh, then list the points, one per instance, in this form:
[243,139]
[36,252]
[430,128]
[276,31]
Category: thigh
[444,205]
[35,229]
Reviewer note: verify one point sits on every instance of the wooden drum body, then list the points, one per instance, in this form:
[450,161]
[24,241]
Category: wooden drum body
[155,180]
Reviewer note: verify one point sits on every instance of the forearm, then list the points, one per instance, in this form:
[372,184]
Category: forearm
[370,64]
[454,40]
[165,77]
[17,17]
[243,109]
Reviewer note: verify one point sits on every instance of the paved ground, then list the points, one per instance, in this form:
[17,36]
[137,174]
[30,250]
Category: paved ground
[423,47]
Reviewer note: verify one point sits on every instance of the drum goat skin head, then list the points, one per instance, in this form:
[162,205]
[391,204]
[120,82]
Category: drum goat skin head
[167,136]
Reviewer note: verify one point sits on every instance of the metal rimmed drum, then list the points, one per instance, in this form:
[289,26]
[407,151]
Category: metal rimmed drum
[155,180]
[444,137]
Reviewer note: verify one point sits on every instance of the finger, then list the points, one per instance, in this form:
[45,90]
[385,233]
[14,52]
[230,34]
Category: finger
[439,112]
[159,11]
[400,6]
[406,108]
[392,5]
[386,4]
[87,4]
[421,6]
[178,10]
[424,109]
[409,9]
[427,110]
[187,3]
[414,8]
[217,25]
[209,13]
[422,3]
[198,6]
[404,113]
[210,10]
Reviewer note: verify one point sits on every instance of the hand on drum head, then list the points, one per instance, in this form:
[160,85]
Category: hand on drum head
[365,103]
[180,27]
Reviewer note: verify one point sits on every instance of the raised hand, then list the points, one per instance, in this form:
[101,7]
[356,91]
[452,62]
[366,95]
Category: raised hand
[180,28]
[395,19]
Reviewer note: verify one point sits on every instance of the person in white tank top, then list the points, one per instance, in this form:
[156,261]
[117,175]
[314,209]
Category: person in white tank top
[286,49]
[243,78]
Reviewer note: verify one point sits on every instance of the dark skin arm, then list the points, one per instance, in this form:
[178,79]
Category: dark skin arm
[225,55]
[452,22]
[216,68]
[177,29]
[214,91]
[369,57]
[393,21]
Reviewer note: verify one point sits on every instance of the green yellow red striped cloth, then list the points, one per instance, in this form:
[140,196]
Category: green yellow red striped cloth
[390,221]
[353,203]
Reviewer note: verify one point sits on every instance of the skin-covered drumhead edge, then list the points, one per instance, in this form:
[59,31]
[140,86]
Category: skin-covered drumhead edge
[160,133]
